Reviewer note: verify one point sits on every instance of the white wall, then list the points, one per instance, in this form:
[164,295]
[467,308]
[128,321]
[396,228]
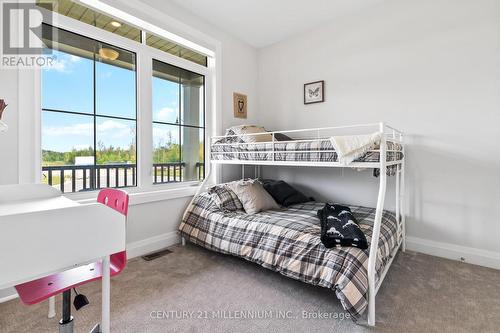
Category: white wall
[430,68]
[8,140]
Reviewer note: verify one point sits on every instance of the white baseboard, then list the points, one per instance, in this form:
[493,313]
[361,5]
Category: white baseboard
[455,252]
[135,249]
[148,245]
[9,297]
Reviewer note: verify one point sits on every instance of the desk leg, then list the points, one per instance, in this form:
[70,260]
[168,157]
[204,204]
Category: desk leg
[52,307]
[105,295]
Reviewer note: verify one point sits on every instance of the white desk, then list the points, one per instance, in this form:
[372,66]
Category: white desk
[42,232]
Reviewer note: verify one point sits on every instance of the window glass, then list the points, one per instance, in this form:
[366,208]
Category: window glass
[192,152]
[66,137]
[80,12]
[167,165]
[115,140]
[115,83]
[88,115]
[192,99]
[178,124]
[68,84]
[166,144]
[67,144]
[86,15]
[175,49]
[178,95]
[166,101]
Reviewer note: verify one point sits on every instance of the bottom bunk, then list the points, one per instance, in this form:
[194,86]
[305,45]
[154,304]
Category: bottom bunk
[287,240]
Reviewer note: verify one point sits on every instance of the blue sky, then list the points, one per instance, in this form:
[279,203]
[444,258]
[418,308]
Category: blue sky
[68,86]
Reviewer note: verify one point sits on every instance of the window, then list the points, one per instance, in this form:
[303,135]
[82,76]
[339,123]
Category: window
[178,124]
[86,15]
[175,49]
[90,104]
[88,114]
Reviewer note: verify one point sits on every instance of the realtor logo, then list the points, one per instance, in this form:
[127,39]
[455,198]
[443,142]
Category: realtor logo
[22,43]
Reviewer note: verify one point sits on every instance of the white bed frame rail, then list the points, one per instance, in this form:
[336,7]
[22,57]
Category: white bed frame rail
[315,134]
[389,133]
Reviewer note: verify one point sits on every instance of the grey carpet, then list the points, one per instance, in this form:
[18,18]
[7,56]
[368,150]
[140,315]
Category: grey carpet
[420,294]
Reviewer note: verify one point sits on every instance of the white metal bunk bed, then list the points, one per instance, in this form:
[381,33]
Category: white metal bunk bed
[389,134]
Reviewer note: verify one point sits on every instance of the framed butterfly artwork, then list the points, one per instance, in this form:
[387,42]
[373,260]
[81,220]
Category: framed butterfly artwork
[314,92]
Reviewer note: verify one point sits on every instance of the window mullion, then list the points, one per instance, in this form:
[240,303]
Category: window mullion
[144,119]
[93,172]
[181,107]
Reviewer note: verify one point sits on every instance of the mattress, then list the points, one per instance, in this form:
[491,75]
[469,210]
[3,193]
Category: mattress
[320,150]
[287,240]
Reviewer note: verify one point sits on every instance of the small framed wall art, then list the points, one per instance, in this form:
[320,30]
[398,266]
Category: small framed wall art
[240,105]
[314,92]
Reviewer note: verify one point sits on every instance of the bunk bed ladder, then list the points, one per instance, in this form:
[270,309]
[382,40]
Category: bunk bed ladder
[403,200]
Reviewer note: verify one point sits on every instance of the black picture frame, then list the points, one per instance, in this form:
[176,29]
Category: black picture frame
[321,84]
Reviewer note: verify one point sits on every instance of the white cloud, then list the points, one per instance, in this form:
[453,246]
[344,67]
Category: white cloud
[166,114]
[110,128]
[85,129]
[74,58]
[105,75]
[108,125]
[58,65]
[115,129]
[63,63]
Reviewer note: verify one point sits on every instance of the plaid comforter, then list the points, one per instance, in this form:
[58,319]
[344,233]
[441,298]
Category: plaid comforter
[288,241]
[320,150]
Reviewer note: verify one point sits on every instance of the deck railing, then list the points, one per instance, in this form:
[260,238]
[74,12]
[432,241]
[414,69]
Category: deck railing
[77,178]
[167,172]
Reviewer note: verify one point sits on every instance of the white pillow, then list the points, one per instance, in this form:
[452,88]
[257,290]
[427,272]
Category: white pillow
[251,129]
[253,196]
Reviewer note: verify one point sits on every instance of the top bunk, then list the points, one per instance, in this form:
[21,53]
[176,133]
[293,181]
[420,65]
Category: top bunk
[357,146]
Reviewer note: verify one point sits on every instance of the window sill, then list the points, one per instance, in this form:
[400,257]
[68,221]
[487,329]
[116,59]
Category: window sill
[143,195]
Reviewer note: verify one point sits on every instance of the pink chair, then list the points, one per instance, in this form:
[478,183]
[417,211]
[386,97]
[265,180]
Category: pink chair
[38,290]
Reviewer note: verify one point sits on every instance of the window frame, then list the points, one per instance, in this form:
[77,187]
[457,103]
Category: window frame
[30,148]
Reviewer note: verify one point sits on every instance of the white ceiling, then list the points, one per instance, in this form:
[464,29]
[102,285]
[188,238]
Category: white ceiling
[264,22]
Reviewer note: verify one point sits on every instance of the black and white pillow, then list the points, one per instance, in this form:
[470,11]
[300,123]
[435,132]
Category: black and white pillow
[225,198]
[339,227]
